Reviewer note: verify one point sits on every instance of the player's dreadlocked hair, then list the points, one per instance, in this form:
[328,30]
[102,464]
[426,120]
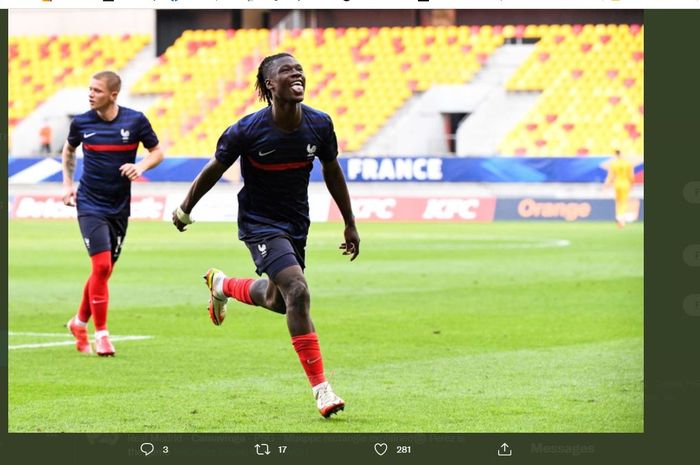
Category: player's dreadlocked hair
[264,93]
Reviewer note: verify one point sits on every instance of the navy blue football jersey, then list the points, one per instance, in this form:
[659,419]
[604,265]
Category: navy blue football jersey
[107,145]
[276,166]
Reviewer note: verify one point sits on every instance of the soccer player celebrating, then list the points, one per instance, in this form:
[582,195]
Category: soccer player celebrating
[110,135]
[621,176]
[277,146]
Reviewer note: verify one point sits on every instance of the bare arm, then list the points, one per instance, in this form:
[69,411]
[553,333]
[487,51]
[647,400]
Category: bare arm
[338,188]
[204,181]
[135,170]
[610,177]
[68,163]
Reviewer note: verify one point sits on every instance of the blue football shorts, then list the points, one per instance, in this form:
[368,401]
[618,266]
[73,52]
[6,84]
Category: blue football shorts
[102,233]
[275,254]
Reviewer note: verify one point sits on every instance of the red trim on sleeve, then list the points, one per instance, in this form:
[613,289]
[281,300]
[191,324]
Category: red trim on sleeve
[111,148]
[279,166]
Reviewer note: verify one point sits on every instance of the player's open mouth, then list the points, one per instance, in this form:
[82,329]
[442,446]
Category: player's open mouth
[298,86]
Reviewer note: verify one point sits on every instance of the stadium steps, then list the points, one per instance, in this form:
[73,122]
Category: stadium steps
[482,132]
[130,74]
[498,112]
[57,110]
[382,143]
[592,101]
[421,127]
[502,64]
[412,130]
[60,106]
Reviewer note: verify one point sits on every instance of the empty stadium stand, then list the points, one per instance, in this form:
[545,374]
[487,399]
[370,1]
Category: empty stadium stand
[589,79]
[360,76]
[592,83]
[41,65]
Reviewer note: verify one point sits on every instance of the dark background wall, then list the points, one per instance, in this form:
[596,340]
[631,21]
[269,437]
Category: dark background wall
[171,23]
[358,18]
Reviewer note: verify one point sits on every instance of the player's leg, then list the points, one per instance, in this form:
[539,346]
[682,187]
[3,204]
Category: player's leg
[77,325]
[265,294]
[257,292]
[292,285]
[93,230]
[286,292]
[285,267]
[102,270]
[103,238]
[84,312]
[621,199]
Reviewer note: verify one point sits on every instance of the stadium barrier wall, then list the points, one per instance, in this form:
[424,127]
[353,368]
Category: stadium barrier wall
[223,207]
[373,169]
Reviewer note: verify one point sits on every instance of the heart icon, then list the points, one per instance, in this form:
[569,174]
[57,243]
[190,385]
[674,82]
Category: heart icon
[380,448]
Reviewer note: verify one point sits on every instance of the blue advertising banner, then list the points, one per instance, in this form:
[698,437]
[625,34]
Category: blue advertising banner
[373,169]
[472,169]
[538,209]
[37,170]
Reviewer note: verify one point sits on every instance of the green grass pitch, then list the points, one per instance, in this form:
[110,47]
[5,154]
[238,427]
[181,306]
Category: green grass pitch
[530,327]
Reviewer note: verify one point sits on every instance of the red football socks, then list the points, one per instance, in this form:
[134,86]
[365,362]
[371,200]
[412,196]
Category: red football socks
[97,288]
[309,353]
[239,289]
[84,310]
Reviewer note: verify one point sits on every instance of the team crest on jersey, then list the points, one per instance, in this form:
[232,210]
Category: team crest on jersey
[125,135]
[310,150]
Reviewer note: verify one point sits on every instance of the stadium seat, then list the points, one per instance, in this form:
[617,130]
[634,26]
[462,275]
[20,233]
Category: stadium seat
[589,78]
[205,80]
[592,77]
[39,66]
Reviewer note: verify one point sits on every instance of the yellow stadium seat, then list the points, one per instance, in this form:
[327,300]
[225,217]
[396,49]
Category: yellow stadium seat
[592,75]
[65,61]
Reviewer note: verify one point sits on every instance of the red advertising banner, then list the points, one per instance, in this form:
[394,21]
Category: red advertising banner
[51,207]
[400,208]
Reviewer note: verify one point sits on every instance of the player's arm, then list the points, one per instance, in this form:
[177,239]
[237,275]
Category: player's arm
[610,177]
[630,174]
[338,188]
[204,181]
[135,170]
[68,163]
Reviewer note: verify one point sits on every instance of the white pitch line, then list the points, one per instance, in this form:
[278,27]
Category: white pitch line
[537,245]
[13,333]
[67,343]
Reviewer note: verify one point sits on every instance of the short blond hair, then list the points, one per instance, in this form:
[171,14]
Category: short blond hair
[112,79]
